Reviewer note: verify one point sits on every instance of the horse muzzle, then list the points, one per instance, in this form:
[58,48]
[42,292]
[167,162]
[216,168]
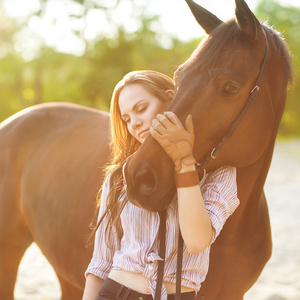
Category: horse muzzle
[148,182]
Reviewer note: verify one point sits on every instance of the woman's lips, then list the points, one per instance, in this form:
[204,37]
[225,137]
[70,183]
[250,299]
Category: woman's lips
[143,133]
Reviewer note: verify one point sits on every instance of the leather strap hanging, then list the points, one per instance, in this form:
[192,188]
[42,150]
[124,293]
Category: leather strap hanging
[162,254]
[179,266]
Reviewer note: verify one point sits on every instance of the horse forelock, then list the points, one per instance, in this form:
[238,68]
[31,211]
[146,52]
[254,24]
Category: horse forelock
[206,55]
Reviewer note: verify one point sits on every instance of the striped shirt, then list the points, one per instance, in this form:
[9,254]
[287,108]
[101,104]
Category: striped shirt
[138,250]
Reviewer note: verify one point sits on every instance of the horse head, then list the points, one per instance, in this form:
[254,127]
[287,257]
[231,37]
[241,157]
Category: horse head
[234,85]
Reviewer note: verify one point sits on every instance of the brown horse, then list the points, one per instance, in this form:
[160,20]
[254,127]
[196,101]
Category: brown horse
[235,86]
[51,159]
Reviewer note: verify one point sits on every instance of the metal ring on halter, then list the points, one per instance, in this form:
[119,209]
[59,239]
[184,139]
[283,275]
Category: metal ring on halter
[255,88]
[212,153]
[204,172]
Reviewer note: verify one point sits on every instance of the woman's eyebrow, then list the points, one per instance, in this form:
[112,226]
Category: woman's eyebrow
[134,106]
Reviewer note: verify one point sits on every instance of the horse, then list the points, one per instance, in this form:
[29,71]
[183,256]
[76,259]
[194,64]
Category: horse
[52,159]
[235,86]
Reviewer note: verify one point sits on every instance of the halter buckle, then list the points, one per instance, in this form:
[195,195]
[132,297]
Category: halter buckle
[256,88]
[212,153]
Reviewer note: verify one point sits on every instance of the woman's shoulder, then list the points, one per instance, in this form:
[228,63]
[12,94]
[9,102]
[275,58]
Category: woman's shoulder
[225,174]
[106,182]
[105,187]
[223,171]
[110,176]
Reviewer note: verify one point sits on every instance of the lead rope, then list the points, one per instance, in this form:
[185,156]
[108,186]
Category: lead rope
[179,266]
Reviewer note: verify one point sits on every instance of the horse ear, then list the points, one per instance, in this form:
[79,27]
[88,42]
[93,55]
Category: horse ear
[205,19]
[246,19]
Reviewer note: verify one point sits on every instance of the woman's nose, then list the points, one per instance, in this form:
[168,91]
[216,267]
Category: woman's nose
[136,122]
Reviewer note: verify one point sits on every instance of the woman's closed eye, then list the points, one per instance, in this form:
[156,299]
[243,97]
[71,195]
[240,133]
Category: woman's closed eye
[141,108]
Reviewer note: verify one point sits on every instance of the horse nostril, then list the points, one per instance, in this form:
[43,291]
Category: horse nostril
[145,181]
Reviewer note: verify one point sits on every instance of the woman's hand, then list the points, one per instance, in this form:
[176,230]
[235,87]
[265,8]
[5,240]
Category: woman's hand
[176,140]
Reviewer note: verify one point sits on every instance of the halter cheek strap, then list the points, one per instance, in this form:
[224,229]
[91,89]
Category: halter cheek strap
[202,165]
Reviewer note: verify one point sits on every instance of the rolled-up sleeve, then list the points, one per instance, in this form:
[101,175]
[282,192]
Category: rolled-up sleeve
[101,262]
[219,193]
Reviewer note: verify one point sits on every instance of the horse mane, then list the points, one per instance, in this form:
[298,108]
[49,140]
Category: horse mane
[206,54]
[282,47]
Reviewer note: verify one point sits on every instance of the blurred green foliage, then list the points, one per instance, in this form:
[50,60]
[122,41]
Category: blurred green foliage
[89,79]
[287,21]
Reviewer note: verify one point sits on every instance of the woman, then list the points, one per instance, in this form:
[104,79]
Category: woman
[125,258]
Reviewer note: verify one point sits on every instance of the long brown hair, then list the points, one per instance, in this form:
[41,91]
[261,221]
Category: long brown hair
[123,144]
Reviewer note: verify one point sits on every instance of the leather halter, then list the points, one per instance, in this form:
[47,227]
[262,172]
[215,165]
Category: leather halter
[213,154]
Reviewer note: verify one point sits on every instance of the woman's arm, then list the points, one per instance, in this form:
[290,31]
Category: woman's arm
[194,221]
[92,287]
[200,220]
[104,249]
[178,142]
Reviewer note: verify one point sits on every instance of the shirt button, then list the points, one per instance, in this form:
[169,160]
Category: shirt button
[151,268]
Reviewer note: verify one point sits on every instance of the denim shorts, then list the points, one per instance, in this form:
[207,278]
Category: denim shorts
[112,290]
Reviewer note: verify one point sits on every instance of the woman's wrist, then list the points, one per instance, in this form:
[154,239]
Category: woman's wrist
[186,177]
[187,168]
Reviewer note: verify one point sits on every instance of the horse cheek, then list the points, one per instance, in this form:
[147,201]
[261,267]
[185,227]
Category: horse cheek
[252,136]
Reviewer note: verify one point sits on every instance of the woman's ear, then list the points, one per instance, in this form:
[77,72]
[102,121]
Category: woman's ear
[170,94]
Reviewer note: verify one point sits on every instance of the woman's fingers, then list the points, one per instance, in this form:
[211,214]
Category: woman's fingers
[172,117]
[163,120]
[154,133]
[168,120]
[169,126]
[158,137]
[189,124]
[158,126]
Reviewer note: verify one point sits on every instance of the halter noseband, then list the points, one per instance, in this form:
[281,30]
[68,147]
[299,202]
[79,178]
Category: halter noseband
[238,119]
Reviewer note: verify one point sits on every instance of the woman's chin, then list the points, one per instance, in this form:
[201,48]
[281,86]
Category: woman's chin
[143,136]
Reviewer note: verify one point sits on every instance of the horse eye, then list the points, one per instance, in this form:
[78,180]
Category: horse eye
[230,89]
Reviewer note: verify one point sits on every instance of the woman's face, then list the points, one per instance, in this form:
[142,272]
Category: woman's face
[138,108]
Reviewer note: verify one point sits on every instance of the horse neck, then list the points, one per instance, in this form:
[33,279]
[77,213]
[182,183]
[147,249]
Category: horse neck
[250,181]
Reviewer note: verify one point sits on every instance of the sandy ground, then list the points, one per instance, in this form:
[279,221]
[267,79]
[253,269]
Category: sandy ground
[280,279]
